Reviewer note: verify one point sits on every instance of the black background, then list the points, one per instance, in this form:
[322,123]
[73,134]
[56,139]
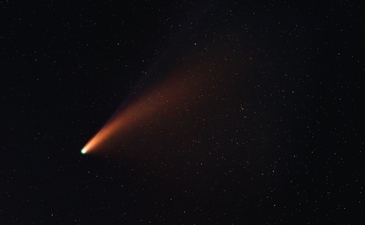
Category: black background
[274,140]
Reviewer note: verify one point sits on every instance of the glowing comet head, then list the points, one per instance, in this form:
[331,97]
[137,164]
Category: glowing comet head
[83,151]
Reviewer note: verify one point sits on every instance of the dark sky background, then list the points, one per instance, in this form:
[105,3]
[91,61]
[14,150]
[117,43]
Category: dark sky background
[262,124]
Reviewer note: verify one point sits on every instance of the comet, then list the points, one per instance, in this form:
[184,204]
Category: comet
[187,87]
[163,98]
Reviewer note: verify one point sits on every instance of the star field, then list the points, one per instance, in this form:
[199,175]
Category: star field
[219,112]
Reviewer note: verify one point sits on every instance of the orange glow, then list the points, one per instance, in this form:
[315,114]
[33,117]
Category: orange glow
[165,97]
[195,85]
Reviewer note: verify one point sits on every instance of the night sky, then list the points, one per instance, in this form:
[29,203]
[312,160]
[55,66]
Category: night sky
[242,112]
